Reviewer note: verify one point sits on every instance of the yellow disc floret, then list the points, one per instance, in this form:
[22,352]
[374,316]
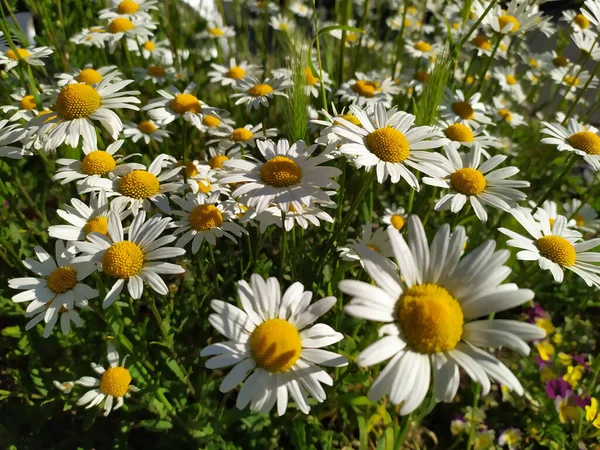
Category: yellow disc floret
[21,52]
[128,7]
[276,345]
[76,101]
[96,225]
[62,280]
[365,88]
[560,61]
[216,162]
[98,162]
[204,186]
[89,76]
[147,127]
[311,80]
[281,171]
[156,71]
[481,42]
[430,318]
[397,221]
[586,141]
[463,110]
[505,114]
[236,72]
[468,181]
[204,217]
[216,32]
[459,133]
[260,90]
[139,184]
[120,25]
[422,46]
[510,79]
[184,103]
[506,19]
[149,46]
[241,135]
[581,21]
[557,249]
[123,260]
[388,144]
[115,381]
[211,121]
[27,103]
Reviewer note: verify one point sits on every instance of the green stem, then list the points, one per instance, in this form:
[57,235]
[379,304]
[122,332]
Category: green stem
[340,71]
[323,92]
[581,91]
[399,441]
[476,24]
[489,61]
[400,41]
[284,242]
[568,166]
[472,428]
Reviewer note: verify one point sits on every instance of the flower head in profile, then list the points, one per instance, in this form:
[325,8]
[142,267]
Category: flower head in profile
[146,130]
[255,93]
[88,75]
[113,385]
[582,140]
[230,74]
[275,338]
[430,308]
[138,27]
[32,55]
[129,9]
[135,260]
[12,134]
[365,89]
[517,18]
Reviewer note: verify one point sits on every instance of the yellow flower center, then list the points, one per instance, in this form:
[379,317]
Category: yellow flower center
[184,103]
[147,127]
[241,135]
[311,80]
[365,88]
[216,32]
[204,217]
[579,220]
[123,260]
[89,76]
[422,46]
[557,250]
[76,101]
[139,184]
[459,133]
[120,25]
[470,79]
[190,169]
[468,181]
[211,121]
[505,114]
[216,162]
[97,30]
[98,162]
[128,7]
[27,103]
[482,42]
[62,280]
[21,52]
[156,71]
[581,21]
[560,61]
[397,222]
[388,144]
[149,46]
[236,72]
[421,76]
[430,318]
[510,79]
[115,380]
[586,141]
[532,62]
[96,225]
[506,19]
[204,186]
[571,80]
[281,171]
[276,345]
[350,118]
[260,90]
[463,110]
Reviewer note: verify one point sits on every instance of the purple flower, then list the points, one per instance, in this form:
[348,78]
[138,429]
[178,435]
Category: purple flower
[536,311]
[557,388]
[580,359]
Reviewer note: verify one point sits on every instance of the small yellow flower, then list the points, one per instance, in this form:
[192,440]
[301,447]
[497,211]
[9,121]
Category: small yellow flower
[591,413]
[545,325]
[573,375]
[567,412]
[564,358]
[557,338]
[546,350]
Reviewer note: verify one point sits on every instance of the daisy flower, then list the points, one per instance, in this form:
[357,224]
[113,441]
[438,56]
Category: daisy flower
[288,176]
[376,239]
[25,107]
[229,75]
[468,177]
[128,9]
[300,9]
[425,307]
[137,188]
[91,37]
[517,18]
[155,73]
[363,90]
[175,104]
[587,44]
[555,248]
[10,134]
[88,75]
[204,218]
[586,218]
[327,137]
[133,260]
[303,218]
[146,130]
[226,136]
[95,164]
[281,23]
[577,138]
[388,141]
[572,77]
[32,55]
[313,83]
[77,105]
[213,122]
[456,107]
[256,93]
[421,49]
[502,112]
[509,83]
[591,11]
[205,181]
[394,216]
[548,211]
[274,338]
[460,134]
[84,219]
[137,27]
[511,438]
[153,49]
[217,156]
[57,290]
[114,383]
[215,31]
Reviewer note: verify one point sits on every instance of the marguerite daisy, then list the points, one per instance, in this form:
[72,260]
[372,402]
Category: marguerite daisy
[128,9]
[146,130]
[228,75]
[10,134]
[137,27]
[256,93]
[32,55]
[517,18]
[577,138]
[226,136]
[460,109]
[585,217]
[88,75]
[394,216]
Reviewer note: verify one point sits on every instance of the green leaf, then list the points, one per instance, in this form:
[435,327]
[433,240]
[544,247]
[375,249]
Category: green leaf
[14,332]
[156,425]
[363,433]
